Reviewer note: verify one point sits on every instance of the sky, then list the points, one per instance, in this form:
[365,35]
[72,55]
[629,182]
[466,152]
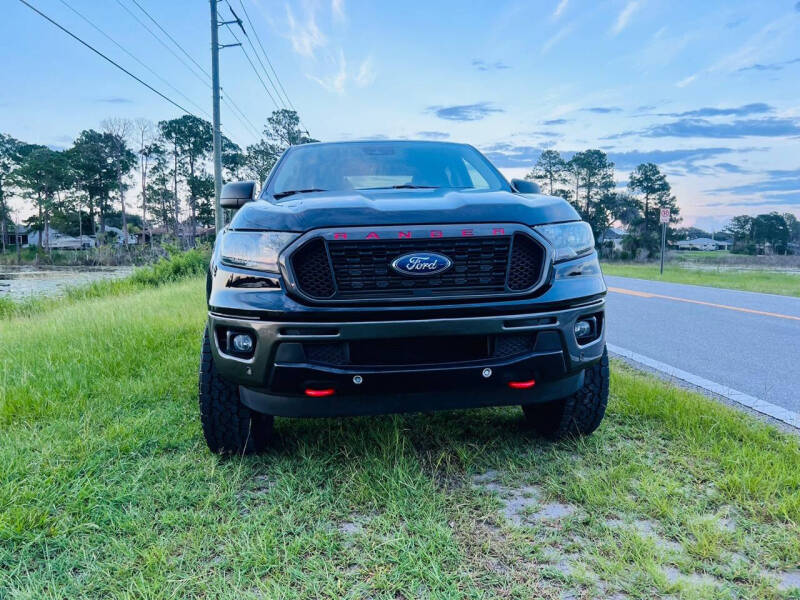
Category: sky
[710,91]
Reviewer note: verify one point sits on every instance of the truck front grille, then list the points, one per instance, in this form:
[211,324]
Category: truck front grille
[342,270]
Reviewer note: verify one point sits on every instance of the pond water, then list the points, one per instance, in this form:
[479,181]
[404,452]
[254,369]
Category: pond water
[22,282]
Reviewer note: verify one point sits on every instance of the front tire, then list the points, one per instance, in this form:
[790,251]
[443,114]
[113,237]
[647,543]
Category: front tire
[578,414]
[228,425]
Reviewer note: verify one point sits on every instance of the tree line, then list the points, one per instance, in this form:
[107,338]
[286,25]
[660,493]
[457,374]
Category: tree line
[586,180]
[767,233]
[81,190]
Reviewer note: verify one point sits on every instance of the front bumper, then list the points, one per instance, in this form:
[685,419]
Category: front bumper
[275,378]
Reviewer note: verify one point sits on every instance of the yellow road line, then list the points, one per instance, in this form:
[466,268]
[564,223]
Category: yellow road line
[725,306]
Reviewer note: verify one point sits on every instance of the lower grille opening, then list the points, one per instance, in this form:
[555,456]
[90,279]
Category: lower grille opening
[420,351]
[416,351]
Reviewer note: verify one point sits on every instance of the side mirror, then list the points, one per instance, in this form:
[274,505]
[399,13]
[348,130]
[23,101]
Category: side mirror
[524,186]
[237,193]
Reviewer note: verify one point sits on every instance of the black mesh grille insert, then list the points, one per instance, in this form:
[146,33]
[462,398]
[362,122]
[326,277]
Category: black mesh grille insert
[362,268]
[334,353]
[527,257]
[310,264]
[420,351]
[513,344]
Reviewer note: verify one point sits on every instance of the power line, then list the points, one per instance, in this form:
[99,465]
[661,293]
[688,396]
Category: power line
[228,101]
[134,57]
[233,106]
[258,39]
[174,41]
[103,56]
[162,42]
[266,56]
[255,70]
[257,55]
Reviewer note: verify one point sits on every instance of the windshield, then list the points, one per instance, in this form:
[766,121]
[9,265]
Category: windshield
[371,165]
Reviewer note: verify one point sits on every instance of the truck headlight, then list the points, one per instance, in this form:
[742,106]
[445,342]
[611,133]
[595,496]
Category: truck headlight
[254,249]
[569,240]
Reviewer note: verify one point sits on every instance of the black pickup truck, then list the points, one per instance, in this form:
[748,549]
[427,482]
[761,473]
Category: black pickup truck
[391,276]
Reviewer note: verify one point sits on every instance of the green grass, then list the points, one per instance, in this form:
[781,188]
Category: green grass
[787,284]
[108,491]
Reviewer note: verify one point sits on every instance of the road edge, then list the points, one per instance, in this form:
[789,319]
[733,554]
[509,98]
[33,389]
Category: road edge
[732,396]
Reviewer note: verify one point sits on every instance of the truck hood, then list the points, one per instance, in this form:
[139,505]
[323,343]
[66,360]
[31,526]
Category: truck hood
[304,212]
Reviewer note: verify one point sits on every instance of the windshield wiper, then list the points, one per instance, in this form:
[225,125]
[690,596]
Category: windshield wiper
[404,186]
[280,195]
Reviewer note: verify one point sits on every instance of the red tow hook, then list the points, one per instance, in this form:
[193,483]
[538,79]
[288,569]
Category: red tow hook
[320,393]
[522,385]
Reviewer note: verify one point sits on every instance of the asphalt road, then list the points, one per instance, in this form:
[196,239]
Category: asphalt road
[745,341]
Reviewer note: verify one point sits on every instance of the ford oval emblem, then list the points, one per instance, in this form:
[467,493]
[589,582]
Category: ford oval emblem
[421,263]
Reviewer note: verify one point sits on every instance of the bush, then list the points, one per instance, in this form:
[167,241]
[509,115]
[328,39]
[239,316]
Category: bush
[179,265]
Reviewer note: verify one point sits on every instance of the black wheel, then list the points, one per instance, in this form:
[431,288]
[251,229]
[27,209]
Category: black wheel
[228,425]
[579,414]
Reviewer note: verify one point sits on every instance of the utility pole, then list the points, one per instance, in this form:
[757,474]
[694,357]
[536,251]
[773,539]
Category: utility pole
[219,216]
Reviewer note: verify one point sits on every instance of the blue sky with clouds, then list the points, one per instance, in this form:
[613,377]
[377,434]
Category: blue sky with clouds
[709,90]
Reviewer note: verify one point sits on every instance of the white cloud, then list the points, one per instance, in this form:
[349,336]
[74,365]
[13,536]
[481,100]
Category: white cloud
[624,16]
[767,41]
[366,73]
[337,9]
[338,80]
[553,40]
[686,81]
[305,36]
[560,8]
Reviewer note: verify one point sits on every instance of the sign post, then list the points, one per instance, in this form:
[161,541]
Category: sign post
[664,220]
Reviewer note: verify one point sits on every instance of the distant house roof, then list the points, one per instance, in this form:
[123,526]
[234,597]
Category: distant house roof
[613,233]
[703,242]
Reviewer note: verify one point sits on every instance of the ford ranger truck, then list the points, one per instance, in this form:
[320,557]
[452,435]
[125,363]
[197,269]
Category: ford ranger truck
[392,276]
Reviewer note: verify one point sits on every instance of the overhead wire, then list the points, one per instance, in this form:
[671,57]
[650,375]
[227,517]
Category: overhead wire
[106,58]
[238,113]
[253,66]
[266,56]
[172,39]
[134,57]
[258,56]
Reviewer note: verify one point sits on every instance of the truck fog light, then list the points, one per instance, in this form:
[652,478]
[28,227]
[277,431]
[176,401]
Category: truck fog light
[585,329]
[242,343]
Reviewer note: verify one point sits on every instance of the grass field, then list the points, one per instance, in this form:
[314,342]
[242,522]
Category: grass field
[107,489]
[787,284]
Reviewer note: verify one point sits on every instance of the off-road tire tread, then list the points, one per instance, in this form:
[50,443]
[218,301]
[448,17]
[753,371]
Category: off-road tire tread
[228,425]
[576,415]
